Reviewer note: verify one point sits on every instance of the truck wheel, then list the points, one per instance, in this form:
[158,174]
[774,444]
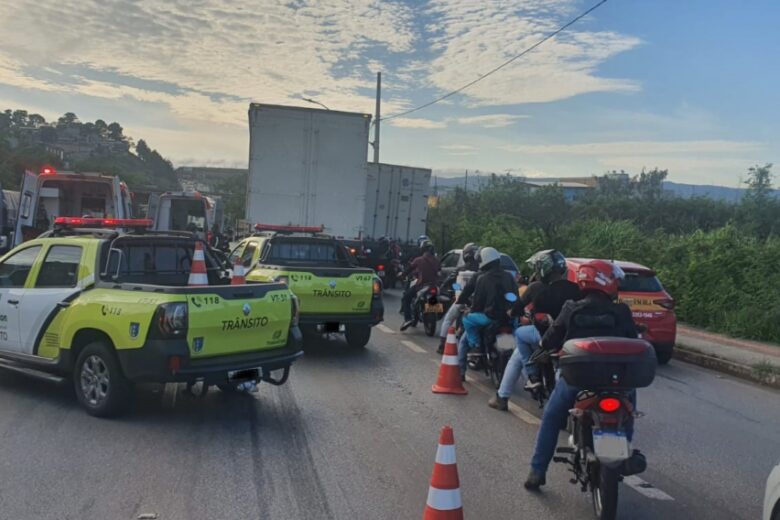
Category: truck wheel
[664,356]
[357,335]
[101,387]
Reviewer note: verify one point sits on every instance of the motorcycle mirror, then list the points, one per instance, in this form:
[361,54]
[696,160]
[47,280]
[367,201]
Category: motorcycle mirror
[456,286]
[510,297]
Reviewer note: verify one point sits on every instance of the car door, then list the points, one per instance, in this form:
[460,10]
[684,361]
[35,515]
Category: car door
[14,272]
[55,284]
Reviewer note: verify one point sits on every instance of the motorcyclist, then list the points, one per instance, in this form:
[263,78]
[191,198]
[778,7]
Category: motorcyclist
[546,295]
[596,314]
[470,263]
[488,303]
[426,269]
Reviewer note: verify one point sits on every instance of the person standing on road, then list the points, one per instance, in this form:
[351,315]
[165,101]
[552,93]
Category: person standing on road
[426,268]
[546,296]
[488,303]
[470,263]
[595,315]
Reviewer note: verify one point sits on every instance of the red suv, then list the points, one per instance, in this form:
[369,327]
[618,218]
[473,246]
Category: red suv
[650,304]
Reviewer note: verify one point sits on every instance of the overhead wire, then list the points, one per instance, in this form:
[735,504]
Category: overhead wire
[496,69]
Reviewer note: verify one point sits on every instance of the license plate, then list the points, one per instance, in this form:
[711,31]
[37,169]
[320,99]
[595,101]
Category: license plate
[610,445]
[252,374]
[436,307]
[381,274]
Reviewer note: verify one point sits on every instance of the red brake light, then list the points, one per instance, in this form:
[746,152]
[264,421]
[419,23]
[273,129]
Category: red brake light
[666,303]
[48,170]
[434,290]
[74,222]
[299,229]
[377,287]
[380,267]
[174,363]
[609,404]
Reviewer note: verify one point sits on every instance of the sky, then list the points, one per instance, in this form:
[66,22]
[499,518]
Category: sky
[690,86]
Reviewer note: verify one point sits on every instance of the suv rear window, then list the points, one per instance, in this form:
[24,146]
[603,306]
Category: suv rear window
[640,282]
[307,252]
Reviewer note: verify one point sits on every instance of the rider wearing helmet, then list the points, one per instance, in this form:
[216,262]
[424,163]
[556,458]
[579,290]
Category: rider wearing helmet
[488,303]
[545,296]
[596,314]
[470,263]
[426,270]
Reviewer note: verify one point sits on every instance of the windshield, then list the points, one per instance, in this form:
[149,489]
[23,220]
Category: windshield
[187,214]
[640,282]
[314,252]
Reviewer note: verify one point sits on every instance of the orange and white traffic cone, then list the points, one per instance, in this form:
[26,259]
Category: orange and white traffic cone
[449,381]
[239,277]
[198,277]
[444,492]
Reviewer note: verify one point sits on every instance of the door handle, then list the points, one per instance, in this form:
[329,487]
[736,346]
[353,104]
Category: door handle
[13,302]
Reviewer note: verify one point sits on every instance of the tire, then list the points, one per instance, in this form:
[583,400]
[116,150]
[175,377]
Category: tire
[429,323]
[664,356]
[228,388]
[101,387]
[357,336]
[496,373]
[604,493]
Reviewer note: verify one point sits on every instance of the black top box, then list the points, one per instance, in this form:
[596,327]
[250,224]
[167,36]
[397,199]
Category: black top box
[607,363]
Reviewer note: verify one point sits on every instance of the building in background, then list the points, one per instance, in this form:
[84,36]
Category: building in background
[207,180]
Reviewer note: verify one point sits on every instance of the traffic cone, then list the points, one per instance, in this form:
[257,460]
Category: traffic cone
[444,492]
[238,277]
[449,381]
[198,276]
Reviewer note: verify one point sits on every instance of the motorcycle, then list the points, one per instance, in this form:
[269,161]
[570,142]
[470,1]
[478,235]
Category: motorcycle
[493,354]
[608,370]
[387,272]
[428,308]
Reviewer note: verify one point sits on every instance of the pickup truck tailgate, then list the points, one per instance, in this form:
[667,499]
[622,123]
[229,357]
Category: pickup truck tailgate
[239,319]
[332,291]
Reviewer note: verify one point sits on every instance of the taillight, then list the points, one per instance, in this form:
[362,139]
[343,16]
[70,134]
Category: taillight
[666,303]
[377,288]
[434,290]
[380,267]
[296,314]
[171,320]
[609,404]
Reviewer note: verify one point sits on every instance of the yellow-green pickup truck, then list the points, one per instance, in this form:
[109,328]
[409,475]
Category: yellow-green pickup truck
[336,296]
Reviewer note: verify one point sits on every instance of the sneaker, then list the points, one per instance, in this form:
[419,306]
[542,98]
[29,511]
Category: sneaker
[534,481]
[633,465]
[440,350]
[533,383]
[499,403]
[406,325]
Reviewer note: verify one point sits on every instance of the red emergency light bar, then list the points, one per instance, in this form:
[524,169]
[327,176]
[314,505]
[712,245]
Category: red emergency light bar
[48,170]
[289,229]
[84,222]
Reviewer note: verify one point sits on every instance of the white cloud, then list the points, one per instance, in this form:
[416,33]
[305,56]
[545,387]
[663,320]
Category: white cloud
[490,120]
[458,147]
[417,122]
[637,148]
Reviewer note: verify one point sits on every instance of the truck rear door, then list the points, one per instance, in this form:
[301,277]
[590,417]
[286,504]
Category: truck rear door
[28,206]
[151,209]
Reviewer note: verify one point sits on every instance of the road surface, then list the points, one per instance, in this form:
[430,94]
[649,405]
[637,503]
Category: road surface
[354,434]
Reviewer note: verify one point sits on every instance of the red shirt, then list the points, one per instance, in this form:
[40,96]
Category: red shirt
[427,269]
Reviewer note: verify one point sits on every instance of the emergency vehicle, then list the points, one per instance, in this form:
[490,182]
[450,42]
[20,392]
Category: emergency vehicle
[110,308]
[50,194]
[336,296]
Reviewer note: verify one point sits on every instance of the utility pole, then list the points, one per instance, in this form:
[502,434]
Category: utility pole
[377,116]
[466,182]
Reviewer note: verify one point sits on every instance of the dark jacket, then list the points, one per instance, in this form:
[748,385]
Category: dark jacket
[547,299]
[427,269]
[592,316]
[489,291]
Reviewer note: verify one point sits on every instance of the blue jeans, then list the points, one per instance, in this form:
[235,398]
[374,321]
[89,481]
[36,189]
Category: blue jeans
[449,319]
[554,420]
[472,324]
[526,338]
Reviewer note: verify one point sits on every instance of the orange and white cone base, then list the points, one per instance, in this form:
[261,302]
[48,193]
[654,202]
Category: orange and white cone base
[449,381]
[444,492]
[239,276]
[198,277]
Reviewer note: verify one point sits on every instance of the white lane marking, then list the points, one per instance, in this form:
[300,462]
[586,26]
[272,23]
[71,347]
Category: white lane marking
[645,488]
[385,329]
[413,346]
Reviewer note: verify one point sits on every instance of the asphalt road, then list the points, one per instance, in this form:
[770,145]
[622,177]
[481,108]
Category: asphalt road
[354,434]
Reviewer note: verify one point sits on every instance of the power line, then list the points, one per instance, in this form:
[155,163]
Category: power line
[507,62]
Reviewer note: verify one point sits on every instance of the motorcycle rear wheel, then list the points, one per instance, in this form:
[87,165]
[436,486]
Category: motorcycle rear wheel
[604,492]
[429,323]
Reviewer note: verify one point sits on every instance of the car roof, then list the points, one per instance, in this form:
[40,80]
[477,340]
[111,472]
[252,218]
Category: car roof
[629,267]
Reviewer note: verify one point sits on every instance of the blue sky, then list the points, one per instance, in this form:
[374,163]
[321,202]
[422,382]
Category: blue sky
[690,86]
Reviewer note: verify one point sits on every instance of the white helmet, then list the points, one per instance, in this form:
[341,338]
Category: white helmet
[487,255]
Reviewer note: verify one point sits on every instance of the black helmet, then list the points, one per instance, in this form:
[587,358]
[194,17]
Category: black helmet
[470,252]
[547,262]
[426,246]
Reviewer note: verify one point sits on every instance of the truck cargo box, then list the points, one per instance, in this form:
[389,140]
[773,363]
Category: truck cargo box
[396,201]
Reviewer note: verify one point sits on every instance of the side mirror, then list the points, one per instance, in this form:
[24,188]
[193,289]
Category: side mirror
[510,297]
[456,286]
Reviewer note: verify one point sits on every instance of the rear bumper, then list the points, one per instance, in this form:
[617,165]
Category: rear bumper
[374,317]
[150,362]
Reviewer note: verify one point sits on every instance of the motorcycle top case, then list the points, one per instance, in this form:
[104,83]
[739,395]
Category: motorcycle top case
[607,363]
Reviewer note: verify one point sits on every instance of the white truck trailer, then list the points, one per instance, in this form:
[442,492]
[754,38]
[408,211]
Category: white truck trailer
[396,201]
[308,167]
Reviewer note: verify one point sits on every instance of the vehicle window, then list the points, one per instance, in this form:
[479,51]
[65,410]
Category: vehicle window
[14,271]
[508,264]
[60,268]
[248,254]
[640,282]
[450,260]
[236,253]
[320,252]
[187,214]
[26,203]
[156,263]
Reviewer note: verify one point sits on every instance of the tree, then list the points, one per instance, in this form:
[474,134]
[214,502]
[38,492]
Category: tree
[759,182]
[115,132]
[36,120]
[650,185]
[19,118]
[101,128]
[67,119]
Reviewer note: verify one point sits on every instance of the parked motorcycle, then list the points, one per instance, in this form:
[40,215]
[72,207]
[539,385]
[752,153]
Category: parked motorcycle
[608,370]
